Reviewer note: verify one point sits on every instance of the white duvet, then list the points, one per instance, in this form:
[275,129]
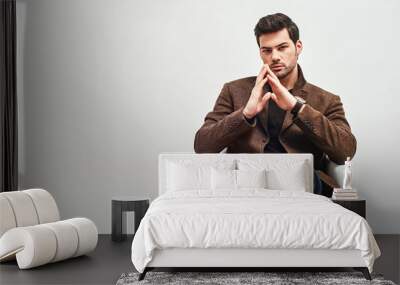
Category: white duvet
[250,218]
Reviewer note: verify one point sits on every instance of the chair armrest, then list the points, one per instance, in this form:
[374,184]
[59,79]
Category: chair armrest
[328,180]
[336,171]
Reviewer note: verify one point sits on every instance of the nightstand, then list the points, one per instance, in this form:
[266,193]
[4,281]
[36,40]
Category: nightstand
[357,206]
[121,204]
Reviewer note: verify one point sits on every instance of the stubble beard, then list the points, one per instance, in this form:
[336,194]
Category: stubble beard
[285,72]
[288,69]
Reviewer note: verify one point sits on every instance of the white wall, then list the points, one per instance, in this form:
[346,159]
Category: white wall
[105,86]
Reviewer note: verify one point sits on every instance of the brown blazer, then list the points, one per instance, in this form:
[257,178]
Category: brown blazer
[320,128]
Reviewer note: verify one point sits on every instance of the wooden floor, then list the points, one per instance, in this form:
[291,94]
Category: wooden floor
[111,259]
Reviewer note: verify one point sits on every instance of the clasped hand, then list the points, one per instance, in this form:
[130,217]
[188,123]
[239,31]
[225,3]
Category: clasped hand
[258,99]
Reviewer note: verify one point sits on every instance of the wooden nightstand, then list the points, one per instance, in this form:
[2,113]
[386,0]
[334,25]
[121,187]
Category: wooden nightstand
[357,206]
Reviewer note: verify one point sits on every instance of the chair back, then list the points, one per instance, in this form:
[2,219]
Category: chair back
[26,208]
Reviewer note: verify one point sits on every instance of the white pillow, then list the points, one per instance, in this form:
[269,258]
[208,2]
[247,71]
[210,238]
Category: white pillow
[281,175]
[237,179]
[293,180]
[251,178]
[223,179]
[187,174]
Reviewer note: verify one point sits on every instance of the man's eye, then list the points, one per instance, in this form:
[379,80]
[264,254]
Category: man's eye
[267,51]
[282,48]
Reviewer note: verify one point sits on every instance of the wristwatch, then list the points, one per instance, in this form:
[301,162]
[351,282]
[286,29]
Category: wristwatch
[299,103]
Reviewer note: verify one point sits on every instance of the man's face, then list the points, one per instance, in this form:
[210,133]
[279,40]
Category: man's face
[279,52]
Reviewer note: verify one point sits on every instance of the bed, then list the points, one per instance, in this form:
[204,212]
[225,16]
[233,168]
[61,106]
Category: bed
[246,211]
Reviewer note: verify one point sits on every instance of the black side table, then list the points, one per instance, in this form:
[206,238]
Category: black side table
[357,206]
[121,204]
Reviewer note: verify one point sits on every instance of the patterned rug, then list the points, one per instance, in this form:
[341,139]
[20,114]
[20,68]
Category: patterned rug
[230,278]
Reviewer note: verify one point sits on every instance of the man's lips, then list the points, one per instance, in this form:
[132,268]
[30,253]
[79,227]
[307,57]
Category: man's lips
[277,66]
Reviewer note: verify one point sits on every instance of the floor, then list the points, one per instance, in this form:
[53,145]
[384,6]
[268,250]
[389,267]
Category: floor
[111,259]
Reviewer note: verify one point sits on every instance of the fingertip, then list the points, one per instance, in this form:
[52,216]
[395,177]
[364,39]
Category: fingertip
[267,96]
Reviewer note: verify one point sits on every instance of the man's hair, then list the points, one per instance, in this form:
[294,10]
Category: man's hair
[274,23]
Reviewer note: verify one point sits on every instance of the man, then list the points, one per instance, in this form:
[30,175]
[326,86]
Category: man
[278,111]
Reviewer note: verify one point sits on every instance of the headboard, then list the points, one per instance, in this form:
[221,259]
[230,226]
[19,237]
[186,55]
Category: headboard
[212,157]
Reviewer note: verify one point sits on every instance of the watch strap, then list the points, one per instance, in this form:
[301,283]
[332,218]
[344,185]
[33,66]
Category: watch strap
[297,106]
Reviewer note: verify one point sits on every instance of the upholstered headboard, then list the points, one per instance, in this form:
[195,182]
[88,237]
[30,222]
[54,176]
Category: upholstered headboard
[271,159]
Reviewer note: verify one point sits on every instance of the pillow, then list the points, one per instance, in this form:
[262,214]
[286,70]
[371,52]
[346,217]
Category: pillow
[281,174]
[251,178]
[189,174]
[223,178]
[293,180]
[237,179]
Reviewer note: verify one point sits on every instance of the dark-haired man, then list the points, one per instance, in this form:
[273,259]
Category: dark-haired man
[278,111]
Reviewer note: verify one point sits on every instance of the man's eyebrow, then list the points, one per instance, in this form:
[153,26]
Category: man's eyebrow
[281,44]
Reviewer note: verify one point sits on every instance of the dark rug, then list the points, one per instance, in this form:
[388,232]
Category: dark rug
[229,278]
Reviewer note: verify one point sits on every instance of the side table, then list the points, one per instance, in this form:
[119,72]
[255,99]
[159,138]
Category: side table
[121,204]
[357,206]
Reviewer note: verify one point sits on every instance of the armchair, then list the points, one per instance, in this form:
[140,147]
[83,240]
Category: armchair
[31,231]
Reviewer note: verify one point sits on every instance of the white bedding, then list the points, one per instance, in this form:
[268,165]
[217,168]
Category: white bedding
[250,218]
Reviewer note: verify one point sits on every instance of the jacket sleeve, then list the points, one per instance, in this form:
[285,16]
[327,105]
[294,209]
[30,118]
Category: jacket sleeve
[330,131]
[221,126]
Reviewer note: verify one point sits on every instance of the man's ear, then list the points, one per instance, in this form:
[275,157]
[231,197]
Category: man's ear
[299,47]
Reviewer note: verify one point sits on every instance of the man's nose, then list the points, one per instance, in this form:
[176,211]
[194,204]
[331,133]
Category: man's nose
[275,56]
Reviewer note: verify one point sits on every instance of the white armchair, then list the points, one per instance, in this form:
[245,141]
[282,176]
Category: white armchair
[336,171]
[31,231]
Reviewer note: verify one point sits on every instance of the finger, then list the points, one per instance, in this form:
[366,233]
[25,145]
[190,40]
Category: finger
[266,97]
[263,101]
[271,72]
[261,74]
[272,81]
[263,81]
[261,84]
[273,97]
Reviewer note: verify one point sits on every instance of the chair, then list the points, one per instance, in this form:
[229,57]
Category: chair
[336,171]
[31,231]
